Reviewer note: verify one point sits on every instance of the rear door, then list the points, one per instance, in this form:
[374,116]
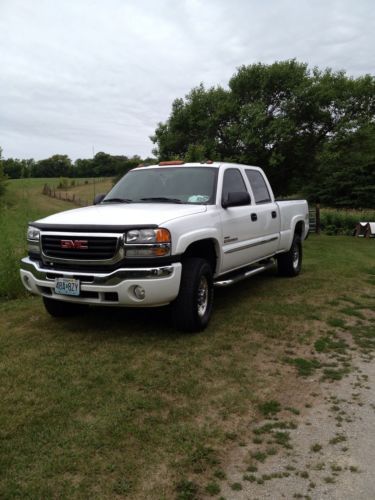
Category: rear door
[265,217]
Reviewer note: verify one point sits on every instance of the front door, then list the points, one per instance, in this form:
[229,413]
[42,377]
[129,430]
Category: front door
[236,223]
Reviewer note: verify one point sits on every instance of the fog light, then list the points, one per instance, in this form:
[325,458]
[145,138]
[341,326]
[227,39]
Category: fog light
[139,292]
[26,282]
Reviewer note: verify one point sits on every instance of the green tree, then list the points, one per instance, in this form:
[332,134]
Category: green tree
[13,168]
[83,167]
[277,116]
[347,170]
[198,121]
[55,166]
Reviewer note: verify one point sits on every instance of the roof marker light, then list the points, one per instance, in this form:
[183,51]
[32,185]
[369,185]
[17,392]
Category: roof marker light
[173,162]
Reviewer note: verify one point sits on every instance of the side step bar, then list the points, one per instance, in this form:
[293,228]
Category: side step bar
[243,275]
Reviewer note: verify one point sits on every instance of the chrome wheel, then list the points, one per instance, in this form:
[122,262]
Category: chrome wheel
[202,300]
[295,256]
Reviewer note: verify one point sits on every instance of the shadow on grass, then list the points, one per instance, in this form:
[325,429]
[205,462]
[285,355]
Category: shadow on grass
[143,323]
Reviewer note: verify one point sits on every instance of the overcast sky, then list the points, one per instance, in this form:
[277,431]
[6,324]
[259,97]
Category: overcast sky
[84,75]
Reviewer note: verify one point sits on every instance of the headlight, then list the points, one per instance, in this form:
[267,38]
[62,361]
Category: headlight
[33,234]
[148,243]
[33,241]
[148,236]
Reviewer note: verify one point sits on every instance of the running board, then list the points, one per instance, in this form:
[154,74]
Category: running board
[243,275]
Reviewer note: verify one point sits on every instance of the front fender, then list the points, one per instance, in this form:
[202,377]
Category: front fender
[187,239]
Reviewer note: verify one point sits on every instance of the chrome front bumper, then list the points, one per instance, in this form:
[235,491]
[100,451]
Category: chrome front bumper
[161,284]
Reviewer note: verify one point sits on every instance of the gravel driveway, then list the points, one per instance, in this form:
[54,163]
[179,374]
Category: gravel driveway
[330,454]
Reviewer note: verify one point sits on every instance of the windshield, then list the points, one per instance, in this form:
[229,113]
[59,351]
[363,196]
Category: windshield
[192,185]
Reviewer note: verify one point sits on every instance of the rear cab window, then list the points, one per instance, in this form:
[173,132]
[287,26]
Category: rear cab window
[258,186]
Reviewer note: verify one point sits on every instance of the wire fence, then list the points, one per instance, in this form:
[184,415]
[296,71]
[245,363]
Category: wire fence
[314,219]
[64,195]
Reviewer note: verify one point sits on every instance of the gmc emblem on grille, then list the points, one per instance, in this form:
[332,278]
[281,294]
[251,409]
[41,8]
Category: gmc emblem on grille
[76,244]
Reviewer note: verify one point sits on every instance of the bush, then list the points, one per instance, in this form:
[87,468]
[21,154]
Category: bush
[63,183]
[343,222]
[3,178]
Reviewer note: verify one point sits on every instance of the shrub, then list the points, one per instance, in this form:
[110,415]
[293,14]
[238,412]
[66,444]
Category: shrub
[63,183]
[343,222]
[3,178]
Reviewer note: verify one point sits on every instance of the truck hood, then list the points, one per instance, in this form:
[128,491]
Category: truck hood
[122,214]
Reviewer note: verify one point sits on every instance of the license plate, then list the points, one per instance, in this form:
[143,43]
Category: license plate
[67,286]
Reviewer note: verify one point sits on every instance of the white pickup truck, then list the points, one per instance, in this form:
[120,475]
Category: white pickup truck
[165,234]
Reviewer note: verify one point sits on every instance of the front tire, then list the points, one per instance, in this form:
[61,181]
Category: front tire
[61,309]
[192,309]
[289,263]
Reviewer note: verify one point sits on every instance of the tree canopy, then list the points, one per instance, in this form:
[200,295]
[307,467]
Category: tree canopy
[299,124]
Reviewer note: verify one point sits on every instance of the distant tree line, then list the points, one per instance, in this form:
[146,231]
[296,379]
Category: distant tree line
[312,131]
[102,165]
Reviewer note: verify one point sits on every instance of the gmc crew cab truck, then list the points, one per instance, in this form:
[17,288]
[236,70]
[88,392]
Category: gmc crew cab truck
[165,234]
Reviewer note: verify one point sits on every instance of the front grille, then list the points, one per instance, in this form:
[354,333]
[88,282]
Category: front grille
[98,247]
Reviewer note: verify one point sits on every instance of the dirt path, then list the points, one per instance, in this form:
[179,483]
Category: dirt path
[329,455]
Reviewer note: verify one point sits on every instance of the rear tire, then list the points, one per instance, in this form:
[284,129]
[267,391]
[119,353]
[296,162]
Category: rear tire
[289,263]
[61,309]
[192,309]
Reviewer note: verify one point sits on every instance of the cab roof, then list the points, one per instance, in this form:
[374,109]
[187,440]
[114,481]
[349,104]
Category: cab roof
[208,164]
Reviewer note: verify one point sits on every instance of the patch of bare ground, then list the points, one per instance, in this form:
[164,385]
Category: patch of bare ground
[158,475]
[74,479]
[369,314]
[317,443]
[331,454]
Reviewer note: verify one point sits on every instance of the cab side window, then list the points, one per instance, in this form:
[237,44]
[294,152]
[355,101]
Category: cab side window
[233,181]
[259,186]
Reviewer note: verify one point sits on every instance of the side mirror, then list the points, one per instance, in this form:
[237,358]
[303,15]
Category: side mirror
[236,199]
[99,198]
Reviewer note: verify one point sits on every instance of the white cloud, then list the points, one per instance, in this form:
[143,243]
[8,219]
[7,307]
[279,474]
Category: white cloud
[83,73]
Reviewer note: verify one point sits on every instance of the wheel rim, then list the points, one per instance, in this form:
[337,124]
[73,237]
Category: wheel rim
[295,256]
[202,302]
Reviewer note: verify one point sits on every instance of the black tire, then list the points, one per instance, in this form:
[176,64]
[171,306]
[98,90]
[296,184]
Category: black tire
[192,309]
[62,309]
[289,263]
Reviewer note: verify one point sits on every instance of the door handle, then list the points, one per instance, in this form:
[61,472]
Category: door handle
[254,217]
[274,214]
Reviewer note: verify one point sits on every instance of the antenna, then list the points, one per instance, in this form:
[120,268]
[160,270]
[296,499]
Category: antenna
[93,155]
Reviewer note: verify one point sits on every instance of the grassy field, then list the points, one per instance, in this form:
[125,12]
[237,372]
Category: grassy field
[24,202]
[84,189]
[116,404]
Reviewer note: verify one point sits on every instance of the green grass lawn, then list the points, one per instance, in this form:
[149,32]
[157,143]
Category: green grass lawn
[22,203]
[117,404]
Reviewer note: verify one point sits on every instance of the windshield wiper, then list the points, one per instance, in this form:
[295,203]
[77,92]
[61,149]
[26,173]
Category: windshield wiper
[117,200]
[162,199]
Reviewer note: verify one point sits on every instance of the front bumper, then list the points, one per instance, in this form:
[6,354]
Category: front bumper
[161,284]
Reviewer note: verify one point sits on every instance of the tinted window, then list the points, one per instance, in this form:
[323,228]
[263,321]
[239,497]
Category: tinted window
[259,187]
[233,182]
